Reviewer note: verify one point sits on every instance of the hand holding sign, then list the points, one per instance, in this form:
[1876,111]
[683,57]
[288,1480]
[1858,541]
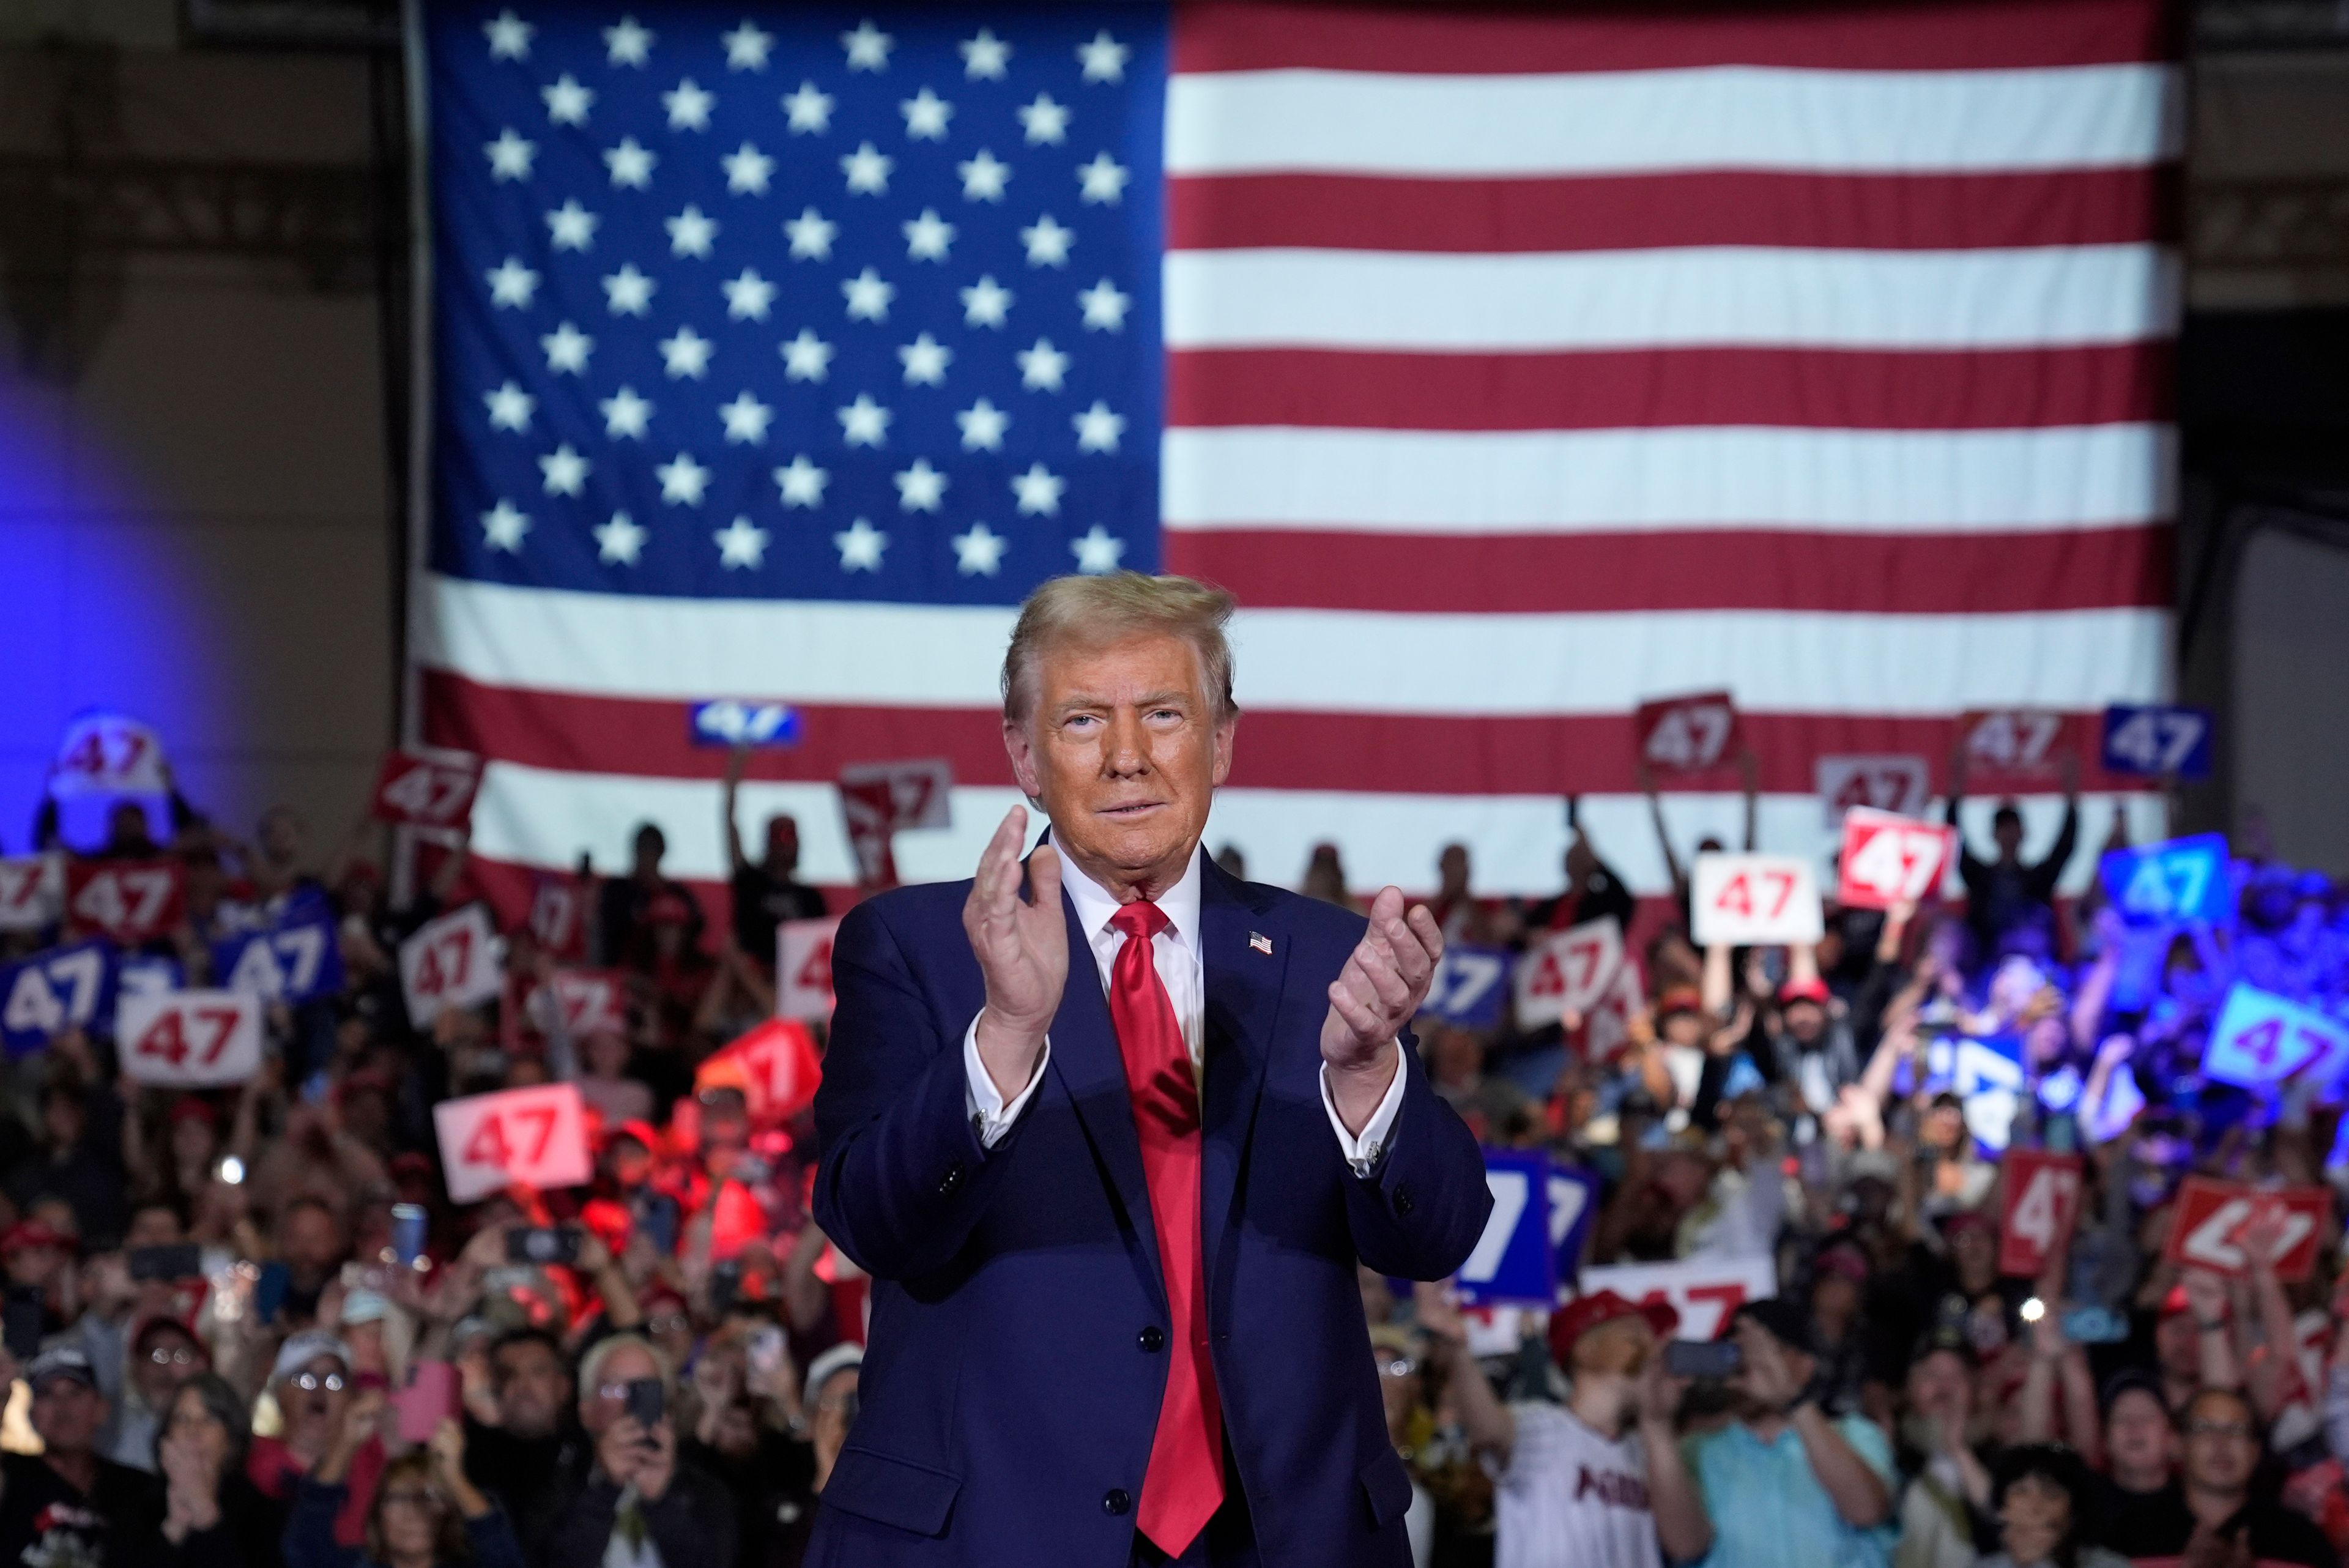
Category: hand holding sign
[1889,859]
[189,1039]
[2216,1223]
[1760,900]
[535,1138]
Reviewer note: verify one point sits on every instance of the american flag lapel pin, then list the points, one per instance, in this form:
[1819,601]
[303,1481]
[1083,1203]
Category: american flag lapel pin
[1260,942]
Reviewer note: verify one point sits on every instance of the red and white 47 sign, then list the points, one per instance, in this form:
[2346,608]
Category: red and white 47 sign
[32,888]
[1754,900]
[2207,1227]
[106,753]
[450,962]
[779,1059]
[803,968]
[535,1138]
[1889,859]
[427,789]
[1901,784]
[129,901]
[1686,735]
[189,1039]
[2043,1204]
[1568,972]
[2029,743]
[1704,1290]
[593,1002]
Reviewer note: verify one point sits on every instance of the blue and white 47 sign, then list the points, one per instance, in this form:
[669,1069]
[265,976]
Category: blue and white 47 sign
[298,959]
[51,992]
[2184,879]
[1469,985]
[2262,1038]
[1512,1260]
[2158,742]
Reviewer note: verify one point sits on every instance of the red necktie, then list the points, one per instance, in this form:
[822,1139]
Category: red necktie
[1184,1482]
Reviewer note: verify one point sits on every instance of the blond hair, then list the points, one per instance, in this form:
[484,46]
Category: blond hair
[1096,611]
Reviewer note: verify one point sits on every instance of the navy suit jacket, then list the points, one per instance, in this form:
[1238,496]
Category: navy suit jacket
[1017,1363]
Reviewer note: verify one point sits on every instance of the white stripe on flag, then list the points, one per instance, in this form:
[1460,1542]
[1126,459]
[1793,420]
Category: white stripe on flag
[1311,660]
[1559,481]
[1713,295]
[538,817]
[1711,118]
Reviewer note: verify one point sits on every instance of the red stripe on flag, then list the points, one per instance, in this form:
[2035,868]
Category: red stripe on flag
[1646,211]
[1243,35]
[1882,574]
[1408,754]
[1828,388]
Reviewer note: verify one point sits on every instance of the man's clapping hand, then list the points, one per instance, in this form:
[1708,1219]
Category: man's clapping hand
[1022,946]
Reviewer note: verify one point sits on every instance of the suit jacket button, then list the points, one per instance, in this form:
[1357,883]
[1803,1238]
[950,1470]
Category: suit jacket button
[1152,1338]
[952,1179]
[1117,1500]
[1402,1203]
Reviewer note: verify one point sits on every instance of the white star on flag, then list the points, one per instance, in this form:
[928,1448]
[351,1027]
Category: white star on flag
[748,170]
[512,284]
[564,471]
[867,169]
[1043,368]
[689,233]
[746,48]
[983,177]
[806,358]
[508,37]
[511,155]
[925,116]
[985,303]
[810,109]
[626,415]
[868,47]
[980,551]
[1038,490]
[926,360]
[746,419]
[927,236]
[984,57]
[1098,429]
[920,487]
[1048,242]
[567,349]
[811,235]
[1046,121]
[510,408]
[566,100]
[687,353]
[627,291]
[868,295]
[1096,551]
[571,227]
[1104,58]
[864,422]
[748,296]
[982,427]
[631,165]
[502,527]
[1103,180]
[689,104]
[619,541]
[682,481]
[861,547]
[801,482]
[629,44]
[1105,307]
[740,543]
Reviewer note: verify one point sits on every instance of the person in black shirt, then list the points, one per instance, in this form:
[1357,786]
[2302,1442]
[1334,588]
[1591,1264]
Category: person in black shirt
[2140,1450]
[68,1508]
[530,1454]
[2005,896]
[767,892]
[1593,888]
[626,907]
[2210,1515]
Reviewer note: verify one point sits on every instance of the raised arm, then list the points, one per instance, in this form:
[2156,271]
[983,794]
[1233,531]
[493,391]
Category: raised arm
[735,758]
[1672,867]
[1749,768]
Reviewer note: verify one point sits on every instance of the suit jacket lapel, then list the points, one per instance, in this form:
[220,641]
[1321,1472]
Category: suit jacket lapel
[1086,1060]
[1242,986]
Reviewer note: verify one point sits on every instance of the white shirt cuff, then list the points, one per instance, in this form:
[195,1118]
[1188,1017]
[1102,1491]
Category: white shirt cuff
[990,1117]
[1362,1153]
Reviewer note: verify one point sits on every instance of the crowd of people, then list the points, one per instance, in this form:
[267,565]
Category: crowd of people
[246,1324]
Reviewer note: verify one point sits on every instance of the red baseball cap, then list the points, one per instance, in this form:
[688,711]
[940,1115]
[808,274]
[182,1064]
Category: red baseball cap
[1814,990]
[1679,999]
[1583,1313]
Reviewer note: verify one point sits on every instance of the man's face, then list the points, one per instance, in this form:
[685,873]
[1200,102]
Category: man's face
[1124,751]
[312,1241]
[1620,1345]
[606,1402]
[1451,865]
[2176,1344]
[313,1396]
[649,848]
[782,846]
[68,1413]
[1938,1386]
[2007,831]
[168,1358]
[2138,1435]
[126,823]
[2222,1443]
[532,1387]
[153,1227]
[1805,1021]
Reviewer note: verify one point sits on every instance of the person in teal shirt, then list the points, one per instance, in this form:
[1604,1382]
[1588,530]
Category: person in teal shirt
[1786,1485]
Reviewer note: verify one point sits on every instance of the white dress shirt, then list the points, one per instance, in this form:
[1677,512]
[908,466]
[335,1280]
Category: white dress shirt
[1175,952]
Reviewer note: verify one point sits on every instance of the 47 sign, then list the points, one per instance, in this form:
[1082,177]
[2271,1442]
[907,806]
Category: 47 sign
[535,1138]
[49,992]
[129,901]
[189,1039]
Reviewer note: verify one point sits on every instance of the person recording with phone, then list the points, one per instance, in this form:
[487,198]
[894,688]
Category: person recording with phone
[424,1512]
[636,1504]
[1600,1481]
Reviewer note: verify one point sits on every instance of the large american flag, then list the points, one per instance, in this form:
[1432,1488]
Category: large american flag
[1509,368]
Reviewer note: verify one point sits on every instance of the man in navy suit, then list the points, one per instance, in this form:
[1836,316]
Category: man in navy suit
[1113,1218]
